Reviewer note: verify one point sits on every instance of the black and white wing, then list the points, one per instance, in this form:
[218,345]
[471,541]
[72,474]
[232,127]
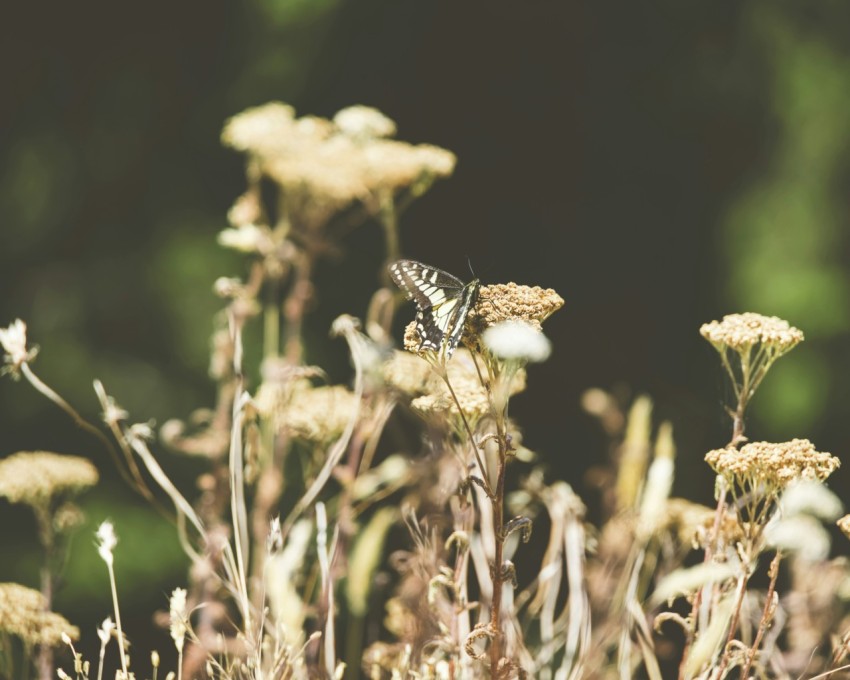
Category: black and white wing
[427,286]
[442,303]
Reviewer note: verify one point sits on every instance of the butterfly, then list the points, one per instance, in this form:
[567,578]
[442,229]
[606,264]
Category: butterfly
[442,303]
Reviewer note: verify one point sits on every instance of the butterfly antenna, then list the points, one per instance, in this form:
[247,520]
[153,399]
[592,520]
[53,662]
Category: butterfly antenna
[471,270]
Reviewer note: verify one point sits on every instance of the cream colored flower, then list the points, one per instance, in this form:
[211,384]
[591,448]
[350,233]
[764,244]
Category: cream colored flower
[743,331]
[22,614]
[325,165]
[316,414]
[37,477]
[776,465]
[13,340]
[178,617]
[364,122]
[517,341]
[437,401]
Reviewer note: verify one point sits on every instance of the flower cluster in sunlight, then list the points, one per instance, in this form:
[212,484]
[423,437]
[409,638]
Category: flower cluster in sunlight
[393,522]
[777,465]
[744,331]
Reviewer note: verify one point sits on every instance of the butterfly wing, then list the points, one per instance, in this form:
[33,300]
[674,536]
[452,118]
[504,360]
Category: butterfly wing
[427,286]
[442,303]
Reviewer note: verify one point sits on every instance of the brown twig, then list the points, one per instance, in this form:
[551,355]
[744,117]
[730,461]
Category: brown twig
[766,616]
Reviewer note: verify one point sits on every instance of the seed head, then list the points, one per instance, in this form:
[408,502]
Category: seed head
[106,541]
[13,340]
[364,122]
[513,302]
[471,394]
[38,477]
[775,465]
[178,617]
[317,414]
[22,614]
[407,373]
[740,332]
[336,162]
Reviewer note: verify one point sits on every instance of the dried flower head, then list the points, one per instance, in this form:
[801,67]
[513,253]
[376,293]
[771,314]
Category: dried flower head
[178,617]
[364,122]
[774,465]
[748,345]
[13,340]
[106,541]
[691,522]
[256,129]
[741,332]
[107,627]
[113,414]
[38,477]
[22,614]
[466,383]
[248,238]
[334,162]
[844,525]
[290,401]
[67,517]
[512,302]
[316,414]
[407,373]
[245,210]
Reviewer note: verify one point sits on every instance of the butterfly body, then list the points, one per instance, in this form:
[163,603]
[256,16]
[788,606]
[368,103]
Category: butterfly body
[442,303]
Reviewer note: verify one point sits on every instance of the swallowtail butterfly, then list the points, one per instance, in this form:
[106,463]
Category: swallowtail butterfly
[442,303]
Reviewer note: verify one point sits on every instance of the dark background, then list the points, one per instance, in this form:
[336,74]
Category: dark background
[659,164]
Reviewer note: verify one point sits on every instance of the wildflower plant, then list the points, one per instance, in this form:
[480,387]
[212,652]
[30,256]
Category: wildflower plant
[749,344]
[307,513]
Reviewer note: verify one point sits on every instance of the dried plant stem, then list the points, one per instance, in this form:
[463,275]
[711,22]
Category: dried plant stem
[327,588]
[136,482]
[47,537]
[118,628]
[743,579]
[765,617]
[741,391]
[496,497]
[388,217]
[300,293]
[484,478]
[497,503]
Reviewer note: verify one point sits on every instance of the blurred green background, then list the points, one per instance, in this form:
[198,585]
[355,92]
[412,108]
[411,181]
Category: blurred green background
[659,164]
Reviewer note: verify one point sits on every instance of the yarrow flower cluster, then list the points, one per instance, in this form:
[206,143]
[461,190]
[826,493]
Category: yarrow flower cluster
[36,477]
[316,414]
[347,159]
[23,615]
[773,464]
[741,332]
[748,345]
[512,302]
[432,396]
